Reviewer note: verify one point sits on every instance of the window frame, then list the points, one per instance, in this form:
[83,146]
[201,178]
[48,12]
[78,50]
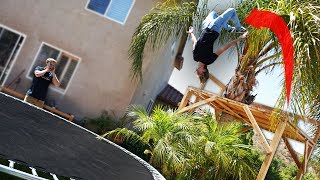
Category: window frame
[104,15]
[61,51]
[17,53]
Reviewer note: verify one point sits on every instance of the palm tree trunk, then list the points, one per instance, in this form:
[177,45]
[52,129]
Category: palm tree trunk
[241,84]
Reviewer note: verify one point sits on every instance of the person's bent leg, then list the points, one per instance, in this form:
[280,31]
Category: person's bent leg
[222,20]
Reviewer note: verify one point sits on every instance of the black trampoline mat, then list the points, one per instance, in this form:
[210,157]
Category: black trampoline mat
[46,142]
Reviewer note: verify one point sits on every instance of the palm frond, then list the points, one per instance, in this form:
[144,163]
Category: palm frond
[156,28]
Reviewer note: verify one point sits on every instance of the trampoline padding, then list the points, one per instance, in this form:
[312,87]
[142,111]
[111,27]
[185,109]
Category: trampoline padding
[43,140]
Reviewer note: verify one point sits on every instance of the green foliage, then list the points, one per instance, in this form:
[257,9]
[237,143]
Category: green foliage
[186,146]
[129,140]
[167,20]
[289,172]
[274,172]
[105,122]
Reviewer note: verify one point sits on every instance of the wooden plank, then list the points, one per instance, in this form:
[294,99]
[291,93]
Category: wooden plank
[292,152]
[197,97]
[215,80]
[185,99]
[245,129]
[307,154]
[317,135]
[195,105]
[51,109]
[257,129]
[217,114]
[231,112]
[60,113]
[261,115]
[274,144]
[305,159]
[12,92]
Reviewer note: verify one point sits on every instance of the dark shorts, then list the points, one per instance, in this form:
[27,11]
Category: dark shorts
[203,51]
[209,59]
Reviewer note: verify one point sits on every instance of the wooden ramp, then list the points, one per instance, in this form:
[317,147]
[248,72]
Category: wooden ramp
[258,117]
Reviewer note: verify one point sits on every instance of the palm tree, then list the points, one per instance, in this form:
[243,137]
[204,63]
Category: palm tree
[220,151]
[165,21]
[260,53]
[190,146]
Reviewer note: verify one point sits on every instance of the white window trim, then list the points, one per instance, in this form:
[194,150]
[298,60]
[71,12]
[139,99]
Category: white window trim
[57,89]
[104,15]
[18,52]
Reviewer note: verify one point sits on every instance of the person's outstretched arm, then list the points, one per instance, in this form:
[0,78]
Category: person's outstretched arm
[193,37]
[231,43]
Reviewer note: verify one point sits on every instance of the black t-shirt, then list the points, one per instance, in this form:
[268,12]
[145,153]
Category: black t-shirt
[39,87]
[203,50]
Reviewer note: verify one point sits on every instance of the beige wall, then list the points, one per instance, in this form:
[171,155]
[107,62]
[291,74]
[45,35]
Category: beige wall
[102,80]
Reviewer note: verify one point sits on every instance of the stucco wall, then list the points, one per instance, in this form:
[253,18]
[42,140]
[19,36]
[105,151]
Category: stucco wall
[102,80]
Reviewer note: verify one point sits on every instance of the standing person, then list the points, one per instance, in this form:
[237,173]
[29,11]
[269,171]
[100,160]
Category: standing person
[212,26]
[43,77]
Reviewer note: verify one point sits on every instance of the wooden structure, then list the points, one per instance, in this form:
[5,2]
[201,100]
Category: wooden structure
[46,107]
[258,117]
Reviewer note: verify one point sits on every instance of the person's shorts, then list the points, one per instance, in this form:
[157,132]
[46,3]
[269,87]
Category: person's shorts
[34,101]
[205,59]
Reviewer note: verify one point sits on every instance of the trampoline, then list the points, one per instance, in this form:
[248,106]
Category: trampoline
[42,140]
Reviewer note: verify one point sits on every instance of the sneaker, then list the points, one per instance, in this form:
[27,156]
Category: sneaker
[232,30]
[241,30]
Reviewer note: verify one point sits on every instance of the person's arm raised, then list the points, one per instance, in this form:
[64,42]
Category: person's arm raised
[55,80]
[193,37]
[39,73]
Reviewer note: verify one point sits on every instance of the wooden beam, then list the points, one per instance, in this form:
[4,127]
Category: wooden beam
[215,80]
[245,129]
[274,144]
[257,129]
[317,135]
[217,114]
[46,107]
[60,113]
[197,97]
[185,99]
[195,105]
[292,152]
[307,153]
[230,111]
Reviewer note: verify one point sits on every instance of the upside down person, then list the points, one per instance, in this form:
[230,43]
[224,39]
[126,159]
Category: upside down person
[212,26]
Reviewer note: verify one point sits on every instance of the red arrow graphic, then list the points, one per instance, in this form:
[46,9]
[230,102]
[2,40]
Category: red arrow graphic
[258,19]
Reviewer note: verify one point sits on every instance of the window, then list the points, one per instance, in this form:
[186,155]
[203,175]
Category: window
[10,43]
[117,10]
[65,67]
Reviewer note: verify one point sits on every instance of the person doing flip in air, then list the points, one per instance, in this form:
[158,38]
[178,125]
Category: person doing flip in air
[212,26]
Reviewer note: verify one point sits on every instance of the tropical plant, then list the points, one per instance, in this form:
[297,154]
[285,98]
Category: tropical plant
[104,122]
[221,152]
[186,146]
[260,53]
[165,21]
